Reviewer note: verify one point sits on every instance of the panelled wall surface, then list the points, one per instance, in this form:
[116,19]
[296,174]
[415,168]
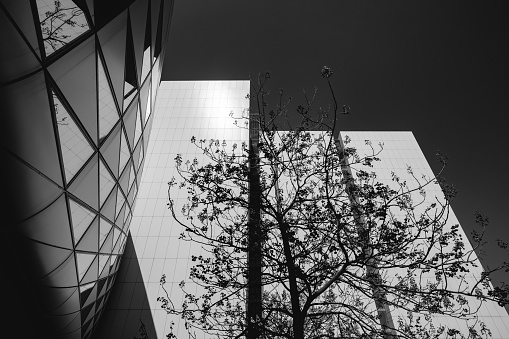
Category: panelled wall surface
[78,83]
[203,109]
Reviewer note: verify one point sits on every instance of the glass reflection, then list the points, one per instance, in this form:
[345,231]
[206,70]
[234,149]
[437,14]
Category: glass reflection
[61,22]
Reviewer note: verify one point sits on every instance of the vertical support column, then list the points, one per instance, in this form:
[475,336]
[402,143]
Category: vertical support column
[384,312]
[254,289]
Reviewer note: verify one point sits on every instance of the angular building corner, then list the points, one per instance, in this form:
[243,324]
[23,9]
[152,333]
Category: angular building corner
[78,83]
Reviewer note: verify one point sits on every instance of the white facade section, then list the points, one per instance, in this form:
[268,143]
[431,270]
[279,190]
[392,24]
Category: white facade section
[183,109]
[400,151]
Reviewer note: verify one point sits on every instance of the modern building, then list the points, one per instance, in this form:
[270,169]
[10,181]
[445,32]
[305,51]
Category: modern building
[86,233]
[78,83]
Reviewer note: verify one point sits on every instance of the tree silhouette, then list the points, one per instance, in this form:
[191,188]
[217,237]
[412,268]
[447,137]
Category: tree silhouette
[339,249]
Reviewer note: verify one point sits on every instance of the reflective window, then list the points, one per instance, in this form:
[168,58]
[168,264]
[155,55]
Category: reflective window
[124,152]
[88,241]
[81,219]
[103,260]
[106,182]
[75,147]
[61,22]
[120,202]
[84,261]
[104,230]
[108,115]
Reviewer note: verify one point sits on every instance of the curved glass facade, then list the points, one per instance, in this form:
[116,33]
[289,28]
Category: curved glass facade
[78,84]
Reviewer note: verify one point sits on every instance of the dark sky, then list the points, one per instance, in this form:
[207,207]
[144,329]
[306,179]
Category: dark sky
[437,68]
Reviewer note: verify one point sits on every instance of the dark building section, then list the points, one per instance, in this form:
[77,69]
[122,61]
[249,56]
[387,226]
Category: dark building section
[78,81]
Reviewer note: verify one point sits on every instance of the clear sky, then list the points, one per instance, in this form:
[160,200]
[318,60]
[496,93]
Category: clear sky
[437,68]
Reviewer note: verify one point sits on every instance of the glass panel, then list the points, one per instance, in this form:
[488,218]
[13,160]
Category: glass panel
[61,22]
[116,234]
[113,261]
[156,12]
[88,293]
[110,150]
[137,150]
[131,178]
[108,244]
[81,219]
[148,111]
[124,179]
[124,152]
[138,16]
[89,240]
[90,309]
[83,260]
[86,184]
[108,209]
[120,201]
[104,230]
[108,114]
[51,225]
[146,64]
[132,195]
[106,182]
[75,148]
[137,130]
[18,10]
[129,122]
[112,38]
[101,285]
[103,260]
[78,66]
[130,82]
[55,267]
[144,101]
[92,272]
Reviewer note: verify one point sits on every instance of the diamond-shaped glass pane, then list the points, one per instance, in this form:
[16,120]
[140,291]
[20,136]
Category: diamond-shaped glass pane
[108,114]
[75,147]
[61,22]
[146,64]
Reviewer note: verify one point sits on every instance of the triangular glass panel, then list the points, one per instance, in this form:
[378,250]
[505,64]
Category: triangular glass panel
[148,111]
[18,10]
[120,201]
[124,152]
[108,209]
[112,39]
[120,217]
[106,182]
[118,245]
[102,284]
[124,179]
[86,312]
[105,272]
[132,195]
[63,273]
[103,260]
[88,293]
[81,219]
[86,184]
[138,16]
[104,230]
[51,225]
[116,234]
[146,64]
[127,222]
[89,240]
[110,150]
[61,22]
[136,156]
[138,128]
[87,327]
[159,31]
[132,176]
[92,273]
[108,244]
[108,115]
[147,59]
[144,101]
[79,64]
[129,122]
[130,82]
[84,261]
[75,148]
[113,261]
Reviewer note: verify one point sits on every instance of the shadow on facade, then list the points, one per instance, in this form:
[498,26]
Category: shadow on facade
[127,313]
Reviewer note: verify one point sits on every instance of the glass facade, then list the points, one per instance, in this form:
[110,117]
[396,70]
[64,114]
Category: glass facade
[73,140]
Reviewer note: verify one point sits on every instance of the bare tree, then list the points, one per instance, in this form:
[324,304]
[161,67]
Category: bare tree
[339,249]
